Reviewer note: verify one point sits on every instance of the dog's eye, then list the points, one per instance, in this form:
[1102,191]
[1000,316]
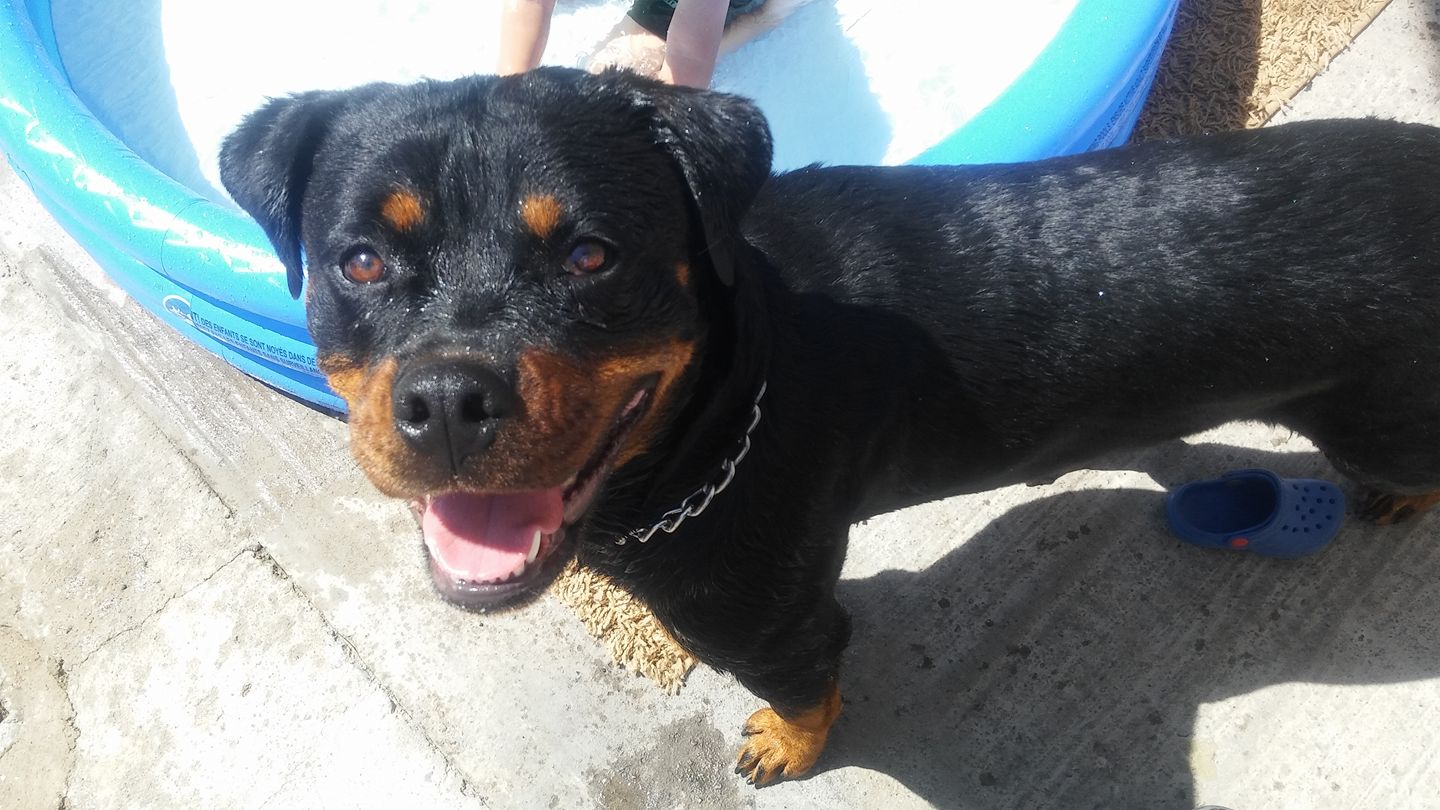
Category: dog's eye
[588,256]
[363,267]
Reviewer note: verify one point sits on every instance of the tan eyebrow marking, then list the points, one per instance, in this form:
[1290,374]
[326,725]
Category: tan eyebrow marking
[541,214]
[402,209]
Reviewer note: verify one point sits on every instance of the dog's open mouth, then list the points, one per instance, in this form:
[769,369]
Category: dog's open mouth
[488,550]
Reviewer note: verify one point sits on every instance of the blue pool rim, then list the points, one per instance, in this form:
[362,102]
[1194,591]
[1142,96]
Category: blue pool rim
[208,271]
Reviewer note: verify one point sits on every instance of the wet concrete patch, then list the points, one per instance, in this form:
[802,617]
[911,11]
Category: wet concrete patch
[687,764]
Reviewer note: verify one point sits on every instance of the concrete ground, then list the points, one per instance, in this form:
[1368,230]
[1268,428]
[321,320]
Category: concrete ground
[204,604]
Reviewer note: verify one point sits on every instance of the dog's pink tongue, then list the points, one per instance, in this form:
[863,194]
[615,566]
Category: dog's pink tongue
[484,538]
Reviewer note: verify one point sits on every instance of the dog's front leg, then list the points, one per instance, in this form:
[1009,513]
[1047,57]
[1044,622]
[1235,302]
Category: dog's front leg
[798,674]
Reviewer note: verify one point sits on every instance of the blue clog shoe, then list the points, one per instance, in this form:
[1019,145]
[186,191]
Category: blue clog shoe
[1257,511]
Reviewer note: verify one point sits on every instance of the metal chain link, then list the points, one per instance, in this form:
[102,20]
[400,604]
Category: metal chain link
[671,520]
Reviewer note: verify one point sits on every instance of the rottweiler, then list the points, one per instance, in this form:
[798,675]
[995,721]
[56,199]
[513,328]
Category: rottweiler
[576,314]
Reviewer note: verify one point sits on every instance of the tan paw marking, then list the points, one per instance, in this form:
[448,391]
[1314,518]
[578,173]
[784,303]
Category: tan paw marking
[1385,509]
[785,746]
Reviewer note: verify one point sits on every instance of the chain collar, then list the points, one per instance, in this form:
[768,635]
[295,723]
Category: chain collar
[700,499]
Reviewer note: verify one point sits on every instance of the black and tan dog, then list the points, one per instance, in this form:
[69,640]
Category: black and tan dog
[568,309]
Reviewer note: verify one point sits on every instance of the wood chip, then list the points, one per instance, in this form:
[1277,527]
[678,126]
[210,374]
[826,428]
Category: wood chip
[1232,64]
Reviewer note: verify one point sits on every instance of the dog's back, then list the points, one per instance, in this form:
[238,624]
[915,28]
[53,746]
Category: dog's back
[1237,208]
[1080,299]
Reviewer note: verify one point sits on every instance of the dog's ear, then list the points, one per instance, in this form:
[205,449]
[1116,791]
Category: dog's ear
[265,165]
[722,145]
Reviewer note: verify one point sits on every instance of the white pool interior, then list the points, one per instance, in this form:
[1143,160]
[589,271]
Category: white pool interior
[841,81]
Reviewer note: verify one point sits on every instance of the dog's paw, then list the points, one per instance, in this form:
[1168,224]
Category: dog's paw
[776,748]
[1385,509]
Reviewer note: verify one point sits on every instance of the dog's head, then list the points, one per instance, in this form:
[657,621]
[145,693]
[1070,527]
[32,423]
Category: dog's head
[505,281]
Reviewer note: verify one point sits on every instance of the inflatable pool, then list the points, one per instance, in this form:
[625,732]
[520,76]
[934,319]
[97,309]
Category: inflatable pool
[113,112]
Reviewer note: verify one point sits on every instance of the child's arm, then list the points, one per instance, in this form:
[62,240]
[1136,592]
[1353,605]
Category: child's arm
[524,28]
[694,41]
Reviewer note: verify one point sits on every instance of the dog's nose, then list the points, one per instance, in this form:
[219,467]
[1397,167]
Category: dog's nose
[449,409]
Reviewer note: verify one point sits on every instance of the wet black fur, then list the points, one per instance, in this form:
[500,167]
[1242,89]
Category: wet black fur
[923,331]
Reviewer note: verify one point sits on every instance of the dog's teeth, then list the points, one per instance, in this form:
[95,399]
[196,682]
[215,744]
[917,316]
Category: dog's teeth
[534,548]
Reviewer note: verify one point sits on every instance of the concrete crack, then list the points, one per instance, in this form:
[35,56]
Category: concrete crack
[191,463]
[72,740]
[353,653]
[284,783]
[253,549]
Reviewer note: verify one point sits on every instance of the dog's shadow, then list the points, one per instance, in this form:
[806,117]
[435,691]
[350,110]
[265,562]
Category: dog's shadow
[1060,656]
